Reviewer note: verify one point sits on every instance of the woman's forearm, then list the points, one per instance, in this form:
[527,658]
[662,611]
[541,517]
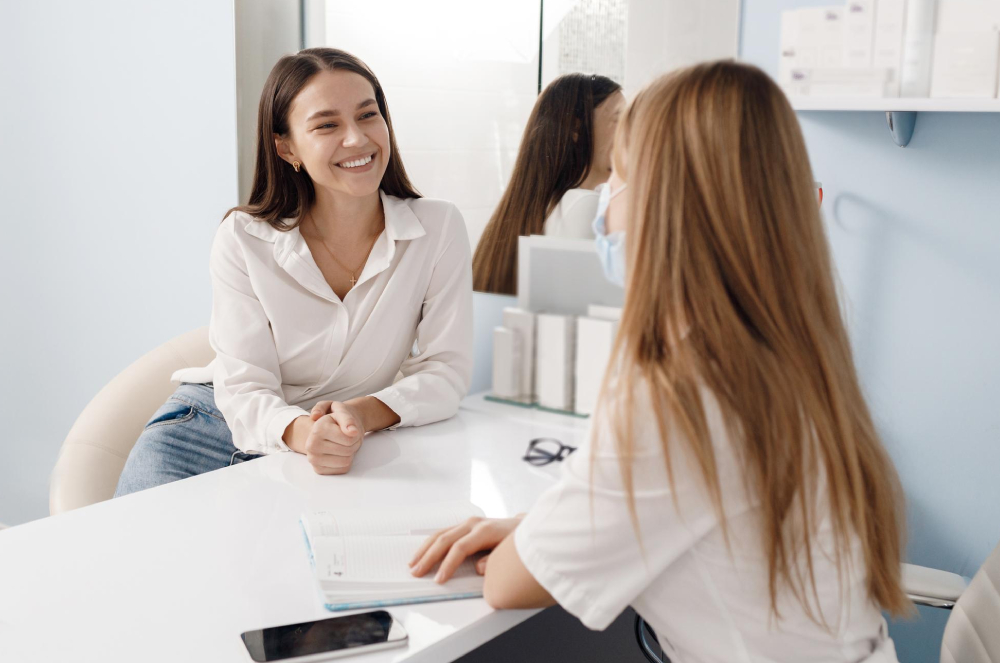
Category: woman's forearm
[297,433]
[374,414]
[508,584]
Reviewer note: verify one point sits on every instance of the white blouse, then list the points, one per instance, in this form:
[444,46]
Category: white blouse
[705,604]
[573,216]
[284,340]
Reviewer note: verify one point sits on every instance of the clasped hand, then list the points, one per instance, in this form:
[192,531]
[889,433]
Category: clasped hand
[336,436]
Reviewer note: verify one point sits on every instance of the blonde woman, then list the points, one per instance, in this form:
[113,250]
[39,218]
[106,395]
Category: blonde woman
[734,492]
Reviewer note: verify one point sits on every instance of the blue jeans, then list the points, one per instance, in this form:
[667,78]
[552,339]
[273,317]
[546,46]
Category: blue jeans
[187,436]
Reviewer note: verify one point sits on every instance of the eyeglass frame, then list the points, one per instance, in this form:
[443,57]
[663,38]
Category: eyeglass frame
[544,456]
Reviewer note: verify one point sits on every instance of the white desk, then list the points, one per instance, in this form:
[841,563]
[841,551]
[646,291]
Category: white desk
[178,572]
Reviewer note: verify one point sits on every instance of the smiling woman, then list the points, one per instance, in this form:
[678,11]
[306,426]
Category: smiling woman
[322,283]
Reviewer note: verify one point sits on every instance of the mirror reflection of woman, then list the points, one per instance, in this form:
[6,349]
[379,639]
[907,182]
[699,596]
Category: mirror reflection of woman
[564,155]
[734,489]
[333,280]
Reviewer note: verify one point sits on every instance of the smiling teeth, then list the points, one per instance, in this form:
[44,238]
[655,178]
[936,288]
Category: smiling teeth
[356,163]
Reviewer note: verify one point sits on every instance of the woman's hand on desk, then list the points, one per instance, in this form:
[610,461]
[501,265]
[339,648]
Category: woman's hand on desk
[329,437]
[451,546]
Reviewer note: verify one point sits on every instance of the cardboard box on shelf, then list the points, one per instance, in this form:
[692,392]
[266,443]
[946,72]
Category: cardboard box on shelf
[843,82]
[859,33]
[918,48]
[965,65]
[890,20]
[819,37]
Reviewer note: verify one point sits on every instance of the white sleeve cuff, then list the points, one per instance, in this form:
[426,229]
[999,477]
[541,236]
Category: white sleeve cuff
[406,410]
[275,430]
[567,594]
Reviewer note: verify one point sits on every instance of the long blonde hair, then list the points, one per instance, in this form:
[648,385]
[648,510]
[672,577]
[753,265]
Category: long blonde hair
[726,250]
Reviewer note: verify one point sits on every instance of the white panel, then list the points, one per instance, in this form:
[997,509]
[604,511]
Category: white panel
[448,119]
[666,34]
[469,178]
[460,79]
[476,219]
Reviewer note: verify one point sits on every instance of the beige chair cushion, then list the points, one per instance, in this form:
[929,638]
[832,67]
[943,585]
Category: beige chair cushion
[94,453]
[972,634]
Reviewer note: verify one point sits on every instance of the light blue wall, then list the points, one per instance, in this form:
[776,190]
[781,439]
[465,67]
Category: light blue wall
[916,238]
[117,163]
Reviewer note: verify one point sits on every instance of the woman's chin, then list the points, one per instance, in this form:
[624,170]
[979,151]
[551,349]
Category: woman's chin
[359,187]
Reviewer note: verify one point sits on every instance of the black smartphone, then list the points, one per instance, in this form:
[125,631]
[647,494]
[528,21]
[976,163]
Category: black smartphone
[325,639]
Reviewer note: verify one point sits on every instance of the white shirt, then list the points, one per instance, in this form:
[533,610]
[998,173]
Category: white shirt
[573,216]
[706,605]
[284,340]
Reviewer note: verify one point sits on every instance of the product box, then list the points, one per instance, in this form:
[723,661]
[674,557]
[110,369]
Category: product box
[843,82]
[506,373]
[554,360]
[965,65]
[522,324]
[595,338]
[887,52]
[859,33]
[918,48]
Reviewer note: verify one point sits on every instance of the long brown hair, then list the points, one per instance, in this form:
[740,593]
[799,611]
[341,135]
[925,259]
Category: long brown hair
[278,191]
[555,156]
[730,286]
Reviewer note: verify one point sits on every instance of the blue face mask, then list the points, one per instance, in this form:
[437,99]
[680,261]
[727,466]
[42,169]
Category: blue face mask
[610,248]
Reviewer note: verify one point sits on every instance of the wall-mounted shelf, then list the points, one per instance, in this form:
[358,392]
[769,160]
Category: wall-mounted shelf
[895,104]
[900,112]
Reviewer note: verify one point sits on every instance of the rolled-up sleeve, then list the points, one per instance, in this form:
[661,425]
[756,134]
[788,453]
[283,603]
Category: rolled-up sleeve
[246,372]
[435,380]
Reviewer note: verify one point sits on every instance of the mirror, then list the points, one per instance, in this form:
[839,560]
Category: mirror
[462,79]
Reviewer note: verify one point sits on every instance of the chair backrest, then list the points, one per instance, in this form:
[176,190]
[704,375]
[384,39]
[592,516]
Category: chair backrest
[94,452]
[972,634]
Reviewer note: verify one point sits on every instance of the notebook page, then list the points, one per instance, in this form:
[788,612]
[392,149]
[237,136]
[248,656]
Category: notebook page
[374,559]
[421,520]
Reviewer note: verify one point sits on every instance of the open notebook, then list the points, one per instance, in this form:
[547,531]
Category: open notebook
[361,557]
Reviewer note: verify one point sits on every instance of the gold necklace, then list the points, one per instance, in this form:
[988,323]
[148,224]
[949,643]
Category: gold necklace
[354,273]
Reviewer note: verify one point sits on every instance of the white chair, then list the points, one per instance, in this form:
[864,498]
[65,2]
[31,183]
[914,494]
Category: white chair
[94,453]
[972,634]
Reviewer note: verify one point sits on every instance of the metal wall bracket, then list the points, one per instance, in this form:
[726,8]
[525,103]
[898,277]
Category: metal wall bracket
[901,125]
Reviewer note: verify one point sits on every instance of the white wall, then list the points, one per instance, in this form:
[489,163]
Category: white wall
[664,35]
[460,78]
[117,162]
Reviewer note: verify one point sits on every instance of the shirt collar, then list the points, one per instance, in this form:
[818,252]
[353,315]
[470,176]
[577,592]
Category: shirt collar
[400,223]
[292,253]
